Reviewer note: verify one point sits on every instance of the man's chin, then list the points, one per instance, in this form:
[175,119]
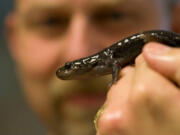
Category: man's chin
[77,113]
[76,104]
[76,118]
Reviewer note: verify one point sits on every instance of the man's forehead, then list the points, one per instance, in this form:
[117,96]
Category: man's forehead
[71,1]
[35,6]
[24,4]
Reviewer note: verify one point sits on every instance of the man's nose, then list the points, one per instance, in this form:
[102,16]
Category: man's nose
[80,41]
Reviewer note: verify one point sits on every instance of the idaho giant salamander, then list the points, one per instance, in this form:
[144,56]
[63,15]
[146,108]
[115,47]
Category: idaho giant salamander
[111,59]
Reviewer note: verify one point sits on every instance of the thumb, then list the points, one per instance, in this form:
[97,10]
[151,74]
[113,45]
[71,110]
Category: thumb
[163,59]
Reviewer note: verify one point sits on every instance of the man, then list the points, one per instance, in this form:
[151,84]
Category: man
[43,35]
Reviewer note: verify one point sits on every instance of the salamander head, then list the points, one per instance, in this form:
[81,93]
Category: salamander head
[74,70]
[84,68]
[65,72]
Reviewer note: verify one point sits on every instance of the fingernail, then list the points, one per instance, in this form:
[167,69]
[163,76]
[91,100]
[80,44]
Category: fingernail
[156,49]
[99,113]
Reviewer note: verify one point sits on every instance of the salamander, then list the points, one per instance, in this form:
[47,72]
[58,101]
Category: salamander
[112,59]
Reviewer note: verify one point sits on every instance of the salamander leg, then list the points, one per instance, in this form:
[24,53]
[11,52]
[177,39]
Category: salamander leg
[115,73]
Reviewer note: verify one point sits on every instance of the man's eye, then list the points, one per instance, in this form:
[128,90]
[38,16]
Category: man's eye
[53,22]
[49,27]
[120,15]
[48,23]
[109,17]
[115,16]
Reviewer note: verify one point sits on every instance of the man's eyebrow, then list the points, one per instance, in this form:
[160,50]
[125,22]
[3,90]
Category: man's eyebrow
[47,9]
[108,4]
[109,1]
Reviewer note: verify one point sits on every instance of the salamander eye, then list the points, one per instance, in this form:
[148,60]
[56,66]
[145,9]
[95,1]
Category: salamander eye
[67,65]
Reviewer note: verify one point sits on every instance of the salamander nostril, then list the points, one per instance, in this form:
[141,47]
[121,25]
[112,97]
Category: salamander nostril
[67,65]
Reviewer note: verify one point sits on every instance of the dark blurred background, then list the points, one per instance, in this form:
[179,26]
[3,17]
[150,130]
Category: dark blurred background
[15,116]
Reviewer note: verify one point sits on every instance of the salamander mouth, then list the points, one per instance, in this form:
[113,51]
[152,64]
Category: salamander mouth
[65,74]
[62,73]
[68,74]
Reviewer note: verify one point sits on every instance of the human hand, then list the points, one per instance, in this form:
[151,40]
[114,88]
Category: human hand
[146,100]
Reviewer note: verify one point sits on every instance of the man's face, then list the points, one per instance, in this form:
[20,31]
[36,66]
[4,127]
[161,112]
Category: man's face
[45,34]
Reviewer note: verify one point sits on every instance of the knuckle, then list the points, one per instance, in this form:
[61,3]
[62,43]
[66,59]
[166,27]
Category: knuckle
[113,122]
[140,93]
[139,60]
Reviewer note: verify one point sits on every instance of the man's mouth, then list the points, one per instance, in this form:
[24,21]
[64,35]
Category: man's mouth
[86,100]
[79,98]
